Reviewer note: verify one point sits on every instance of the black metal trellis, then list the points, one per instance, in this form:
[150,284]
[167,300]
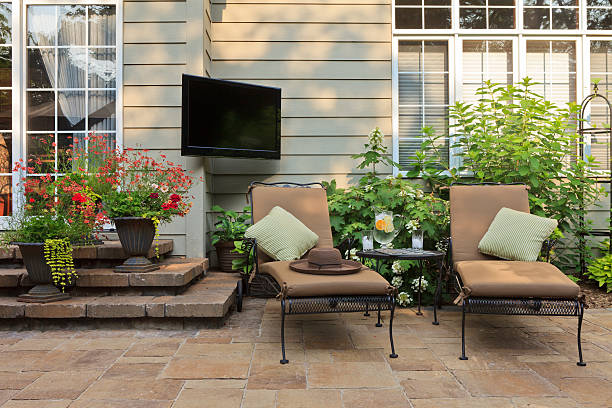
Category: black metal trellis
[591,135]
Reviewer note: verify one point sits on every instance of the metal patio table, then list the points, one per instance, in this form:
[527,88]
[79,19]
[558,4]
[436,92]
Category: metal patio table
[381,256]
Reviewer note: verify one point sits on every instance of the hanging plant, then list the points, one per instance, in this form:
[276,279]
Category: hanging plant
[58,255]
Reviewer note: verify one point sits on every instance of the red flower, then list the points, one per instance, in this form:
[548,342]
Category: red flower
[153,195]
[79,198]
[32,200]
[175,198]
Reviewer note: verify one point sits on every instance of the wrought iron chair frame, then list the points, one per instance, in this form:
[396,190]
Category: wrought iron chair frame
[512,306]
[323,304]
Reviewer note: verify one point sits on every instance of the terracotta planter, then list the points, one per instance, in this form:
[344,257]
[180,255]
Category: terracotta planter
[39,273]
[225,256]
[136,235]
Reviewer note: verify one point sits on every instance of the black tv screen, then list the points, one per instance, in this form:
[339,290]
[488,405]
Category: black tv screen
[230,119]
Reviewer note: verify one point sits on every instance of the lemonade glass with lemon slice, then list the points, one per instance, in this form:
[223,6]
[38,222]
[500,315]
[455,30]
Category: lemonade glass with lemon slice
[385,229]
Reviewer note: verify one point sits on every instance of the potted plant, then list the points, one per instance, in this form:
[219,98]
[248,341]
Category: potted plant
[230,227]
[146,193]
[55,213]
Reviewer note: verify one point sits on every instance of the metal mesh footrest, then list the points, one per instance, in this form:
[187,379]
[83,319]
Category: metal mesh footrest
[540,307]
[337,304]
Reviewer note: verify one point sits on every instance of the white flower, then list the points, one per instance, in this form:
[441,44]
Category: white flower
[352,254]
[404,299]
[163,188]
[397,268]
[154,186]
[390,245]
[390,177]
[376,138]
[413,225]
[397,281]
[442,246]
[368,188]
[406,193]
[415,284]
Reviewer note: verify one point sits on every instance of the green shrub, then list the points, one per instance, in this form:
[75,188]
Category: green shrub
[513,135]
[600,269]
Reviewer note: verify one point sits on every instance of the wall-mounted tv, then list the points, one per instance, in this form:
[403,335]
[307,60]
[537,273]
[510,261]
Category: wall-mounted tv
[230,119]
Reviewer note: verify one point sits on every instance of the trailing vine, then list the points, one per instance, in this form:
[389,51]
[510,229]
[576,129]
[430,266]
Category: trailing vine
[156,222]
[58,255]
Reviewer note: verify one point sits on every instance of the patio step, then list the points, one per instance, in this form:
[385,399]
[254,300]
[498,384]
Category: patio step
[172,278]
[208,301]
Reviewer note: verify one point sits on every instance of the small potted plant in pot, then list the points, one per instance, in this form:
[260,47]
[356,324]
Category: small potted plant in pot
[230,227]
[147,192]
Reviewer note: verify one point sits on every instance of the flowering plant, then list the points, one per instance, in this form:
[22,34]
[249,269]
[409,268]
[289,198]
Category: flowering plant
[144,186]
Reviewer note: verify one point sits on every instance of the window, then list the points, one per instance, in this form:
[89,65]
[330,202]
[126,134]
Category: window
[482,14]
[561,44]
[71,81]
[428,14]
[601,68]
[58,82]
[423,92]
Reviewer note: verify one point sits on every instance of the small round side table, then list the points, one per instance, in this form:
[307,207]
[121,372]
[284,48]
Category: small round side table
[408,254]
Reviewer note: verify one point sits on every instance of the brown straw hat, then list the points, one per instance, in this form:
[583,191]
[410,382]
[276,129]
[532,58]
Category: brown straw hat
[325,261]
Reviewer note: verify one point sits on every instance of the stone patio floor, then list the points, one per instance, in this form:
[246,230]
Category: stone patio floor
[336,361]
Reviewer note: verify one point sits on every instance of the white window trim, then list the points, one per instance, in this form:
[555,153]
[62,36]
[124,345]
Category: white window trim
[19,82]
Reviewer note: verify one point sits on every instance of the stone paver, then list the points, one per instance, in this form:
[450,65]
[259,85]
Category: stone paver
[336,361]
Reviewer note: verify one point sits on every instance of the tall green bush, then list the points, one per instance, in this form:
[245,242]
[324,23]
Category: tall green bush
[513,135]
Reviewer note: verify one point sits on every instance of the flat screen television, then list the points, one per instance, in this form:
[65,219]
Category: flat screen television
[230,119]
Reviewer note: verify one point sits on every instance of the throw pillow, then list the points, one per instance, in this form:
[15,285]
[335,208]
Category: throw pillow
[516,235]
[282,236]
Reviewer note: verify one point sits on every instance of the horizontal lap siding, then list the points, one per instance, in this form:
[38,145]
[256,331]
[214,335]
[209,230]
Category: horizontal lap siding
[332,59]
[155,56]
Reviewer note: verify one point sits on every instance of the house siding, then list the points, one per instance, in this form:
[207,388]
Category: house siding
[332,60]
[161,41]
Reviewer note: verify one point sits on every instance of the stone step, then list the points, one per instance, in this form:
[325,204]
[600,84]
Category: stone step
[173,273]
[210,298]
[110,250]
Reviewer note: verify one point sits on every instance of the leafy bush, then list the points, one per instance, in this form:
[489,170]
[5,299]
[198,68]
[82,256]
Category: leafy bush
[514,135]
[600,269]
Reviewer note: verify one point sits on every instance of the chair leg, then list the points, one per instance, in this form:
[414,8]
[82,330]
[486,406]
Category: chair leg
[379,324]
[581,363]
[239,296]
[367,312]
[284,360]
[463,357]
[392,355]
[437,295]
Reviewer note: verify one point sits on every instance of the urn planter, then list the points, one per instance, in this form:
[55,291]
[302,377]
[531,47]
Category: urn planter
[39,273]
[136,235]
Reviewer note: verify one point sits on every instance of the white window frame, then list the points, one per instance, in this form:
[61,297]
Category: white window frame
[19,82]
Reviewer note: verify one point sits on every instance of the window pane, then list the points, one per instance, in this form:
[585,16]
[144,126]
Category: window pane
[599,19]
[102,68]
[474,18]
[6,21]
[102,25]
[409,18]
[6,110]
[501,2]
[40,152]
[71,67]
[436,56]
[595,3]
[601,57]
[536,18]
[6,166]
[565,18]
[410,57]
[565,2]
[6,152]
[71,25]
[42,25]
[41,110]
[6,65]
[41,68]
[65,150]
[601,69]
[537,56]
[411,89]
[102,110]
[408,2]
[563,56]
[472,2]
[71,110]
[553,64]
[501,18]
[439,18]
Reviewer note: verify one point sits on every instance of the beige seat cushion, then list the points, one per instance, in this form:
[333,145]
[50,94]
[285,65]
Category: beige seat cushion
[515,279]
[364,282]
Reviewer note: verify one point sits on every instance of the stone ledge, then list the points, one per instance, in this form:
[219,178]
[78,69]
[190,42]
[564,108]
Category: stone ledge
[201,300]
[173,272]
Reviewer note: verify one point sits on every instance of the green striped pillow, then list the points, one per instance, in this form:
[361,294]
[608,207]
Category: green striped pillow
[516,235]
[282,236]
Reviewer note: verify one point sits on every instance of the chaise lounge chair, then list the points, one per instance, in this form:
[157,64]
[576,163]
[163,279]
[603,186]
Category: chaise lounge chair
[302,293]
[490,285]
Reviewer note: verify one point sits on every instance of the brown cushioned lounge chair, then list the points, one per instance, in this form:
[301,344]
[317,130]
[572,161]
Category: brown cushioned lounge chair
[302,293]
[489,285]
